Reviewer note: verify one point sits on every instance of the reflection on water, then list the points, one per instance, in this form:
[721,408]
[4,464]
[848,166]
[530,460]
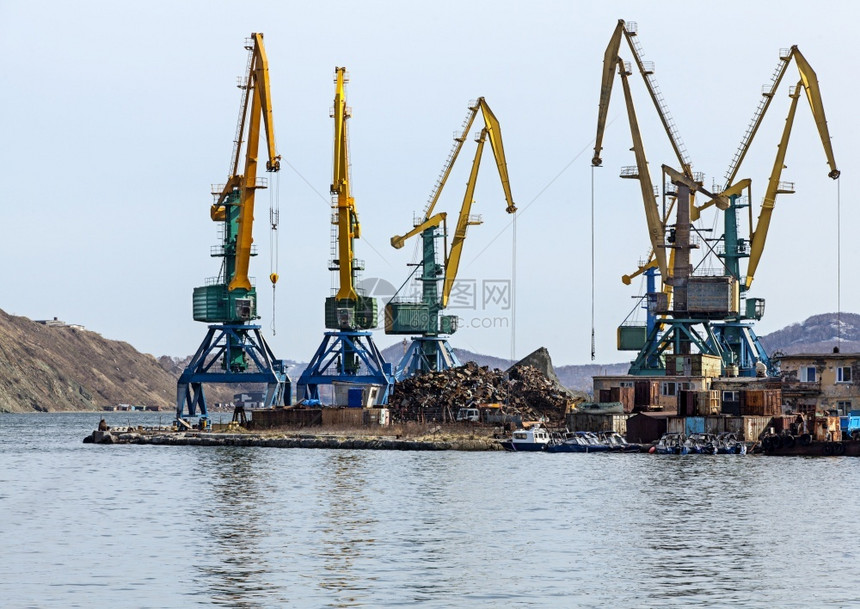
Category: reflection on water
[345,527]
[230,521]
[173,527]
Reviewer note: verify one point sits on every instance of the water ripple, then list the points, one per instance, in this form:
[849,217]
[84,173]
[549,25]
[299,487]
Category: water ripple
[92,526]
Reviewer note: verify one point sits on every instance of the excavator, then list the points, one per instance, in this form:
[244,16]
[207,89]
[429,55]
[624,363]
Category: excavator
[234,351]
[347,357]
[430,349]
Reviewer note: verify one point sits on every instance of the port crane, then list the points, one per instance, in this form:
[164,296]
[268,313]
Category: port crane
[430,350]
[347,355]
[693,318]
[630,337]
[735,332]
[808,82]
[234,351]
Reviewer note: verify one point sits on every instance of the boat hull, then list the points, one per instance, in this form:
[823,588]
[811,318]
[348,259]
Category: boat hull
[815,449]
[575,448]
[523,447]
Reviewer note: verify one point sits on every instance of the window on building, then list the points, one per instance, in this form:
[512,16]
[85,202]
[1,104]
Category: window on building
[844,407]
[667,388]
[731,396]
[843,374]
[807,374]
[685,386]
[625,384]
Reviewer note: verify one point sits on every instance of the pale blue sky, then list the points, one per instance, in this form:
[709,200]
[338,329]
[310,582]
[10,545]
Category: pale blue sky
[117,117]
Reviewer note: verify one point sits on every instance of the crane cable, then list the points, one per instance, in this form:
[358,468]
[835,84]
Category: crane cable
[514,290]
[592,264]
[274,213]
[838,262]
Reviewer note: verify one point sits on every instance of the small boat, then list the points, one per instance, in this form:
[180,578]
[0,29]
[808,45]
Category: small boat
[701,444]
[579,442]
[671,443]
[617,442]
[527,440]
[728,444]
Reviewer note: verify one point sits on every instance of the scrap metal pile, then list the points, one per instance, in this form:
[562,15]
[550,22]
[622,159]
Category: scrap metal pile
[437,396]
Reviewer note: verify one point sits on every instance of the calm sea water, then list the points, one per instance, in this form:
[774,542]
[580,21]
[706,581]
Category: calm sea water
[151,526]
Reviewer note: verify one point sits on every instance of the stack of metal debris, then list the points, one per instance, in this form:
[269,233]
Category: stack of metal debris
[438,396]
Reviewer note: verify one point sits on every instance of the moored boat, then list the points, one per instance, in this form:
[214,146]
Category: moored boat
[527,440]
[671,443]
[804,445]
[617,442]
[578,442]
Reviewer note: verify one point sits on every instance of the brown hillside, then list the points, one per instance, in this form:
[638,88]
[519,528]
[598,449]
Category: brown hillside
[63,368]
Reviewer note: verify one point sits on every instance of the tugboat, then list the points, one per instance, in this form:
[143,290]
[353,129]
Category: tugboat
[527,440]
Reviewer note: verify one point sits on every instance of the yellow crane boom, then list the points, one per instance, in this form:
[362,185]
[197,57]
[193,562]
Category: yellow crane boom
[348,227]
[258,100]
[491,131]
[629,32]
[809,83]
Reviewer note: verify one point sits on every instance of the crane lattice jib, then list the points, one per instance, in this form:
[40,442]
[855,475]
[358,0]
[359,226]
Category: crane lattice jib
[610,59]
[256,104]
[813,95]
[495,135]
[452,263]
[449,163]
[659,103]
[758,115]
[491,131]
[347,219]
[759,234]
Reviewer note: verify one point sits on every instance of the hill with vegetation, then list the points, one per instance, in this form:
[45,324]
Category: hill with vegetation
[817,334]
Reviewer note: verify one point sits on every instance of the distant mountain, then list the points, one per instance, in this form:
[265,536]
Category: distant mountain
[575,377]
[578,377]
[817,334]
[395,353]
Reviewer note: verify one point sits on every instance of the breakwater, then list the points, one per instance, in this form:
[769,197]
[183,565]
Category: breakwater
[293,440]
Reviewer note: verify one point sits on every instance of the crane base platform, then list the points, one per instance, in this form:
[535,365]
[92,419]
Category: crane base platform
[426,354]
[231,353]
[346,356]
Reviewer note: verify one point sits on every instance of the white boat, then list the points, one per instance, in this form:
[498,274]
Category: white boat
[532,439]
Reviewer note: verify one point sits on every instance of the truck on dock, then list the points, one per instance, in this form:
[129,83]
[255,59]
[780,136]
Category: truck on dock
[850,425]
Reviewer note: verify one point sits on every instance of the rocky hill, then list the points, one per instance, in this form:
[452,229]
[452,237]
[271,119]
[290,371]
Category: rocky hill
[59,367]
